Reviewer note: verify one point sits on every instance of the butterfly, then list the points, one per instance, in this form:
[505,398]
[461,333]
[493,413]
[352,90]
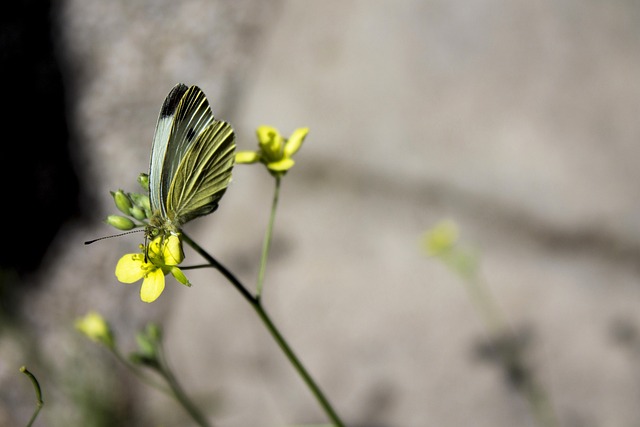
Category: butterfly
[191,160]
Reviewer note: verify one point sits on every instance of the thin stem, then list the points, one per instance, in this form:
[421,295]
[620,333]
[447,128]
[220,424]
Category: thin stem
[535,394]
[255,302]
[486,305]
[142,376]
[174,389]
[221,268]
[297,364]
[36,387]
[540,403]
[267,238]
[178,391]
[195,267]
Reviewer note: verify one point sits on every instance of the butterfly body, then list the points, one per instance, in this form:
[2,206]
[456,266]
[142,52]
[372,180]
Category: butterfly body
[191,161]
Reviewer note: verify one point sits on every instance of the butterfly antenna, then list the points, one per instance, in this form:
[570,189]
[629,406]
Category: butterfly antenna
[88,242]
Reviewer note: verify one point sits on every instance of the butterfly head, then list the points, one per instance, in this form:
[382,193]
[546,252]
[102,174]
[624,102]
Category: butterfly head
[161,226]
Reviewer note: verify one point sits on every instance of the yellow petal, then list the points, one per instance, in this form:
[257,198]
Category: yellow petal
[247,157]
[154,248]
[152,286]
[266,134]
[295,142]
[270,142]
[130,268]
[173,254]
[281,165]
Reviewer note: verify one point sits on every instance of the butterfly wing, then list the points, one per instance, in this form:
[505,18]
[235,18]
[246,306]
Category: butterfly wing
[184,115]
[203,174]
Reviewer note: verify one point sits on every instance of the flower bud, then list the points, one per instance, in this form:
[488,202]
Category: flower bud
[120,222]
[146,345]
[138,213]
[140,200]
[123,202]
[154,331]
[143,180]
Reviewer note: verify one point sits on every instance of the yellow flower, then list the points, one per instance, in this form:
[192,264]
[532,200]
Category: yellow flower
[96,328]
[442,241]
[275,151]
[441,238]
[162,257]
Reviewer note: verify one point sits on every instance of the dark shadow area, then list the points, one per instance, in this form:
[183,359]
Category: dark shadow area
[39,183]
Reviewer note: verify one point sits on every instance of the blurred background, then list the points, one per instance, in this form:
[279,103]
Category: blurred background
[518,120]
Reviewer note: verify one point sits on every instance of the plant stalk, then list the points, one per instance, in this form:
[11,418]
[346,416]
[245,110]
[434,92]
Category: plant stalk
[255,302]
[267,238]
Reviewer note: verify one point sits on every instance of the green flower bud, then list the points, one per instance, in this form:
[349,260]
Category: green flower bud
[143,180]
[120,222]
[141,200]
[146,345]
[138,213]
[154,331]
[123,202]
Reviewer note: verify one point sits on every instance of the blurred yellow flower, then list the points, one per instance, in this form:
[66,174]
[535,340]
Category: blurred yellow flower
[441,238]
[275,152]
[95,328]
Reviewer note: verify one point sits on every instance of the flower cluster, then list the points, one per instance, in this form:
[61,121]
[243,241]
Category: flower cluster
[135,206]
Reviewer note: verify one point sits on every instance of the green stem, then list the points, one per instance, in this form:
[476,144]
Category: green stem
[142,376]
[534,393]
[36,387]
[255,302]
[486,305]
[174,389]
[297,364]
[267,238]
[540,404]
[178,391]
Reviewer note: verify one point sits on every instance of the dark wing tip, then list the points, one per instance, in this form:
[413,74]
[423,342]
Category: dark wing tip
[172,100]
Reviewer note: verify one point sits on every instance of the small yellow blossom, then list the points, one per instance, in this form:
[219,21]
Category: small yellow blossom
[441,238]
[275,151]
[162,256]
[442,241]
[96,328]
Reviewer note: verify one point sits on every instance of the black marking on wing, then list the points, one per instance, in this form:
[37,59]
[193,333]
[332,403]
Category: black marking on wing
[191,133]
[172,100]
